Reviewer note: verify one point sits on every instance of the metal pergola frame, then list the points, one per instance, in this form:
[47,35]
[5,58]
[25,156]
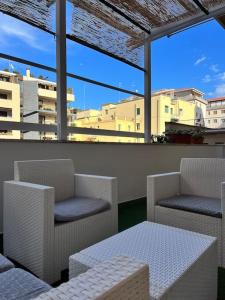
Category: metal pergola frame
[62,129]
[61,71]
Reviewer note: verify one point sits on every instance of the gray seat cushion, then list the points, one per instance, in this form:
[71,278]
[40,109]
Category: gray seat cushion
[17,284]
[5,264]
[201,205]
[78,208]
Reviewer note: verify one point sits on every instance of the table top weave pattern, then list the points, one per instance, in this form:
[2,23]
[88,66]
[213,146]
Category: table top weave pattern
[168,251]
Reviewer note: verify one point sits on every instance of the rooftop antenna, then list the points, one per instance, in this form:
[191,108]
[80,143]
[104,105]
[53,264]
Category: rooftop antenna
[84,96]
[11,66]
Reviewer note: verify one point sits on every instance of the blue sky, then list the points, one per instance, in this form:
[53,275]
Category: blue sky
[194,58]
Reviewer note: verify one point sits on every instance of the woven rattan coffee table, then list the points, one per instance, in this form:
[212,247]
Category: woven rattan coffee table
[183,264]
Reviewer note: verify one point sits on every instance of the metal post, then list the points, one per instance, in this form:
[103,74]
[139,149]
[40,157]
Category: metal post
[147,91]
[61,69]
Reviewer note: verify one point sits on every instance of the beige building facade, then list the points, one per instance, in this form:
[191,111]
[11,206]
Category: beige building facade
[185,106]
[216,113]
[9,103]
[39,105]
[33,100]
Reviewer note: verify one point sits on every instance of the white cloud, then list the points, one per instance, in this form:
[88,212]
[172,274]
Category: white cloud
[207,78]
[219,91]
[214,68]
[221,76]
[200,60]
[11,28]
[214,78]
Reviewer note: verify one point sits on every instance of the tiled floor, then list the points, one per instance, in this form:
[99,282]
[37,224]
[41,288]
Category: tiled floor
[132,213]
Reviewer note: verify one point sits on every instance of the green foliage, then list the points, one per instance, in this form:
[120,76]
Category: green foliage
[69,90]
[195,133]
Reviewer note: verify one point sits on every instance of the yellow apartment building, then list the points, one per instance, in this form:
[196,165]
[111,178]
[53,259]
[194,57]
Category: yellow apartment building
[105,118]
[190,95]
[38,97]
[9,103]
[185,106]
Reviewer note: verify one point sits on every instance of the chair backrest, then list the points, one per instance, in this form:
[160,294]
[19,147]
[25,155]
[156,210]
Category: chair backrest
[202,176]
[57,173]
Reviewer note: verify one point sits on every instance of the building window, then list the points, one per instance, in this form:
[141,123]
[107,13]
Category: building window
[129,128]
[223,111]
[171,111]
[5,113]
[209,113]
[3,96]
[5,132]
[209,121]
[223,121]
[181,111]
[215,112]
[166,109]
[138,111]
[215,120]
[138,126]
[119,127]
[106,111]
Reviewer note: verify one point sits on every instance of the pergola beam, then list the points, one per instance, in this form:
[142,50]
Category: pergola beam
[61,69]
[188,6]
[119,12]
[180,25]
[148,92]
[221,21]
[141,10]
[199,4]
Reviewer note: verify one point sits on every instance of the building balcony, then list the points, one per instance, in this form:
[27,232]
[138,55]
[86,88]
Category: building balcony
[216,107]
[52,95]
[47,111]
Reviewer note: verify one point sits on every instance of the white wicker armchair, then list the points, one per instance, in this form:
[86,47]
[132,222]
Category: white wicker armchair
[31,235]
[192,199]
[121,278]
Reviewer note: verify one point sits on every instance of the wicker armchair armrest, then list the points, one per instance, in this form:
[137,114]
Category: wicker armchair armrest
[96,187]
[161,186]
[28,236]
[120,278]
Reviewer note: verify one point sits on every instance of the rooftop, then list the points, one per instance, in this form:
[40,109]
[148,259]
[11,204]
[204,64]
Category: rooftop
[216,99]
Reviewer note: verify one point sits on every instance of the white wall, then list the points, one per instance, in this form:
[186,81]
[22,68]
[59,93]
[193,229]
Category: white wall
[130,163]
